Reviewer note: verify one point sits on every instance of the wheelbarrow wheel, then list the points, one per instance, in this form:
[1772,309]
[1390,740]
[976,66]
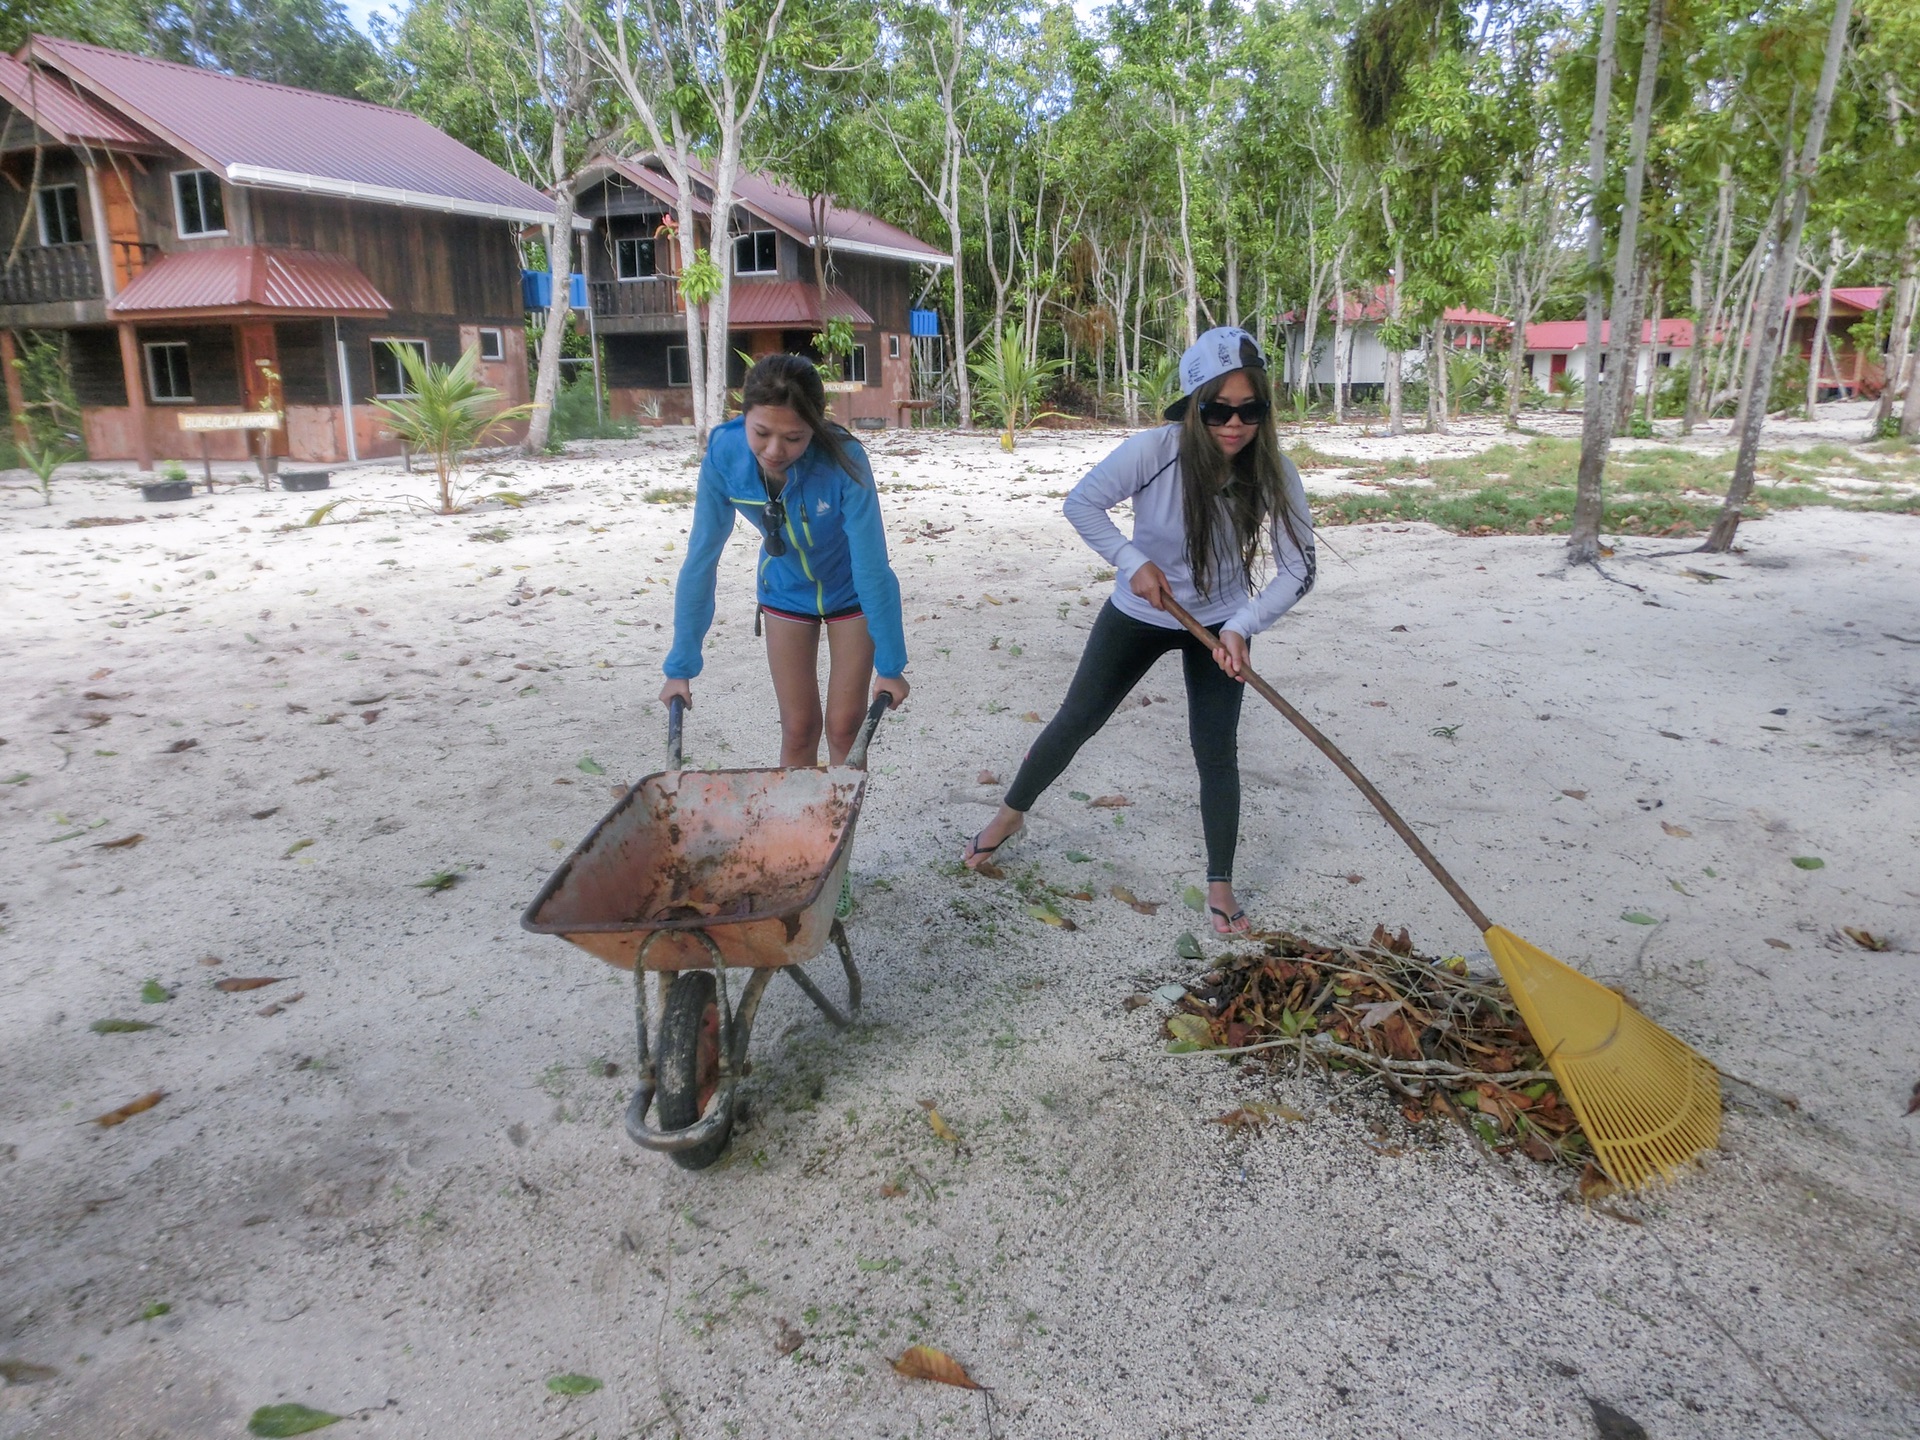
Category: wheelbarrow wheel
[689,1063]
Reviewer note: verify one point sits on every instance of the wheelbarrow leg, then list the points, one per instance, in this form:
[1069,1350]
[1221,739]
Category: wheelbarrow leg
[835,1017]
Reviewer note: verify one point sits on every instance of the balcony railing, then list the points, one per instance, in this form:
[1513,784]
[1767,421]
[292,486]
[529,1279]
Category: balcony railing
[41,274]
[656,298]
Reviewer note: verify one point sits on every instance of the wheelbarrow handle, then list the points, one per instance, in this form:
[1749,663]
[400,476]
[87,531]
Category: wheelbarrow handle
[857,756]
[676,715]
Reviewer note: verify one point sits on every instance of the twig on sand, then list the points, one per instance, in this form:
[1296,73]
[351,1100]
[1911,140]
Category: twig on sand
[1418,1069]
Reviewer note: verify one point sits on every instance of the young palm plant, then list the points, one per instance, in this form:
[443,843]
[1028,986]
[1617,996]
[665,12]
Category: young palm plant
[43,459]
[447,413]
[1009,383]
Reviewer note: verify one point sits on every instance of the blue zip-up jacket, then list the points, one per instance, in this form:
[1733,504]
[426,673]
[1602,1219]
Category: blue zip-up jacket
[836,549]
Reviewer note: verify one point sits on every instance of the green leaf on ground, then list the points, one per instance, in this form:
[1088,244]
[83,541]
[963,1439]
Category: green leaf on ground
[438,881]
[1639,917]
[1047,915]
[156,1310]
[290,1419]
[1191,1031]
[118,1027]
[295,849]
[591,765]
[154,993]
[1187,947]
[1809,862]
[1079,857]
[1194,898]
[1079,795]
[572,1384]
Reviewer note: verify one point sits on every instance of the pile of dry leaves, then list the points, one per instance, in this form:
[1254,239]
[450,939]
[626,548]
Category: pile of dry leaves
[1446,1044]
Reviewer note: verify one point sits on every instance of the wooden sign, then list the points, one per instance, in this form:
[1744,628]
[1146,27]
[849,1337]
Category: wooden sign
[252,420]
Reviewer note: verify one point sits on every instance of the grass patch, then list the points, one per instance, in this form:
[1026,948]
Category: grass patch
[661,495]
[1529,489]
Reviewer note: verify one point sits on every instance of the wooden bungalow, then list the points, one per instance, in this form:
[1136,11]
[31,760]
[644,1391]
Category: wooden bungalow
[630,258]
[1361,364]
[212,243]
[1847,371]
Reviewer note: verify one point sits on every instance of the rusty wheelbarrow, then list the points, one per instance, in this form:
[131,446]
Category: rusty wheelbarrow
[696,874]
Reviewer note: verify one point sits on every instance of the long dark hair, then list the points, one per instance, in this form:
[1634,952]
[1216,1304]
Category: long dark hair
[1250,488]
[791,382]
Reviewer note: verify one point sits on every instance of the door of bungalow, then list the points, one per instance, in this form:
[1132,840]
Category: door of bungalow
[260,377]
[123,226]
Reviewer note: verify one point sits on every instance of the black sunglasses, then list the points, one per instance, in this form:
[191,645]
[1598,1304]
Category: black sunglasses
[776,522]
[1251,412]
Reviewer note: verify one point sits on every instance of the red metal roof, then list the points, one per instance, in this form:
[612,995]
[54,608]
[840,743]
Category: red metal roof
[280,138]
[765,304]
[70,118]
[1572,334]
[855,230]
[1856,297]
[250,280]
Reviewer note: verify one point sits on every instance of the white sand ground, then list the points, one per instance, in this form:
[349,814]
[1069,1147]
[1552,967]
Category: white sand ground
[408,1194]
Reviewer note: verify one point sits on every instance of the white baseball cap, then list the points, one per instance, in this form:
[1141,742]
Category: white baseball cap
[1216,353]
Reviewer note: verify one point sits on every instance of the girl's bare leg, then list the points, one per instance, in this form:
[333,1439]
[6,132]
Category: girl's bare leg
[1005,823]
[849,672]
[793,656]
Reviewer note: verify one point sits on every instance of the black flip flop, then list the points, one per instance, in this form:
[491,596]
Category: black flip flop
[1230,919]
[976,849]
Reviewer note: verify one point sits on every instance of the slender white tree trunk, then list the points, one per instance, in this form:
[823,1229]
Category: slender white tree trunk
[1583,540]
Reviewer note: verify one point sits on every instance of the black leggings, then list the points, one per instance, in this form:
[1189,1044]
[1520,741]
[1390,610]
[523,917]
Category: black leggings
[1119,653]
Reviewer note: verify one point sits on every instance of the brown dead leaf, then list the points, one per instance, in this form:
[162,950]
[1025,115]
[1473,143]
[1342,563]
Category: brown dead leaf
[125,842]
[1594,1184]
[990,870]
[247,982]
[1108,802]
[1032,717]
[107,695]
[940,1126]
[1778,944]
[210,960]
[891,1191]
[264,814]
[279,1005]
[180,745]
[1133,902]
[371,715]
[923,1362]
[127,1111]
[309,779]
[1574,794]
[790,1339]
[1865,939]
[1679,832]
[100,674]
[987,777]
[1133,1003]
[1355,879]
[1399,628]
[1377,704]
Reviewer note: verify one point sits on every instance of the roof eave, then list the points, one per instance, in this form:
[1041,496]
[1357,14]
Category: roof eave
[888,252]
[250,312]
[265,178]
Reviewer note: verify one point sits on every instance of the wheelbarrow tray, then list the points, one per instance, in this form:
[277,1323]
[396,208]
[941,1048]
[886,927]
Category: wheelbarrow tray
[754,858]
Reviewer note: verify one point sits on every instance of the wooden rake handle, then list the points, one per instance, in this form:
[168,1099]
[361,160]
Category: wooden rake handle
[1347,768]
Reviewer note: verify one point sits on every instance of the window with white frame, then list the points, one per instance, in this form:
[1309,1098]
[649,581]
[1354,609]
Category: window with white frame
[756,253]
[169,380]
[492,345]
[633,259]
[389,375]
[893,347]
[59,207]
[853,365]
[679,373]
[199,207]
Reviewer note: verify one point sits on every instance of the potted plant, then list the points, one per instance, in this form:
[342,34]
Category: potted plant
[173,483]
[306,479]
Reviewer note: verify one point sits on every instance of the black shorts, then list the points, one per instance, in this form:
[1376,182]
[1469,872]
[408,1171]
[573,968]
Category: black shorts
[850,613]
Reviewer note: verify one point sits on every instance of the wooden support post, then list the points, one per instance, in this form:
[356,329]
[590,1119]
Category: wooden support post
[206,460]
[136,396]
[16,394]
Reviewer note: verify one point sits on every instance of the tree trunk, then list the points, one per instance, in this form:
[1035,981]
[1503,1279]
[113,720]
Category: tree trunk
[1623,350]
[1821,321]
[1624,385]
[1396,413]
[1437,384]
[1707,317]
[1902,334]
[1583,541]
[1910,410]
[1653,355]
[559,260]
[962,381]
[1340,340]
[1189,279]
[1779,279]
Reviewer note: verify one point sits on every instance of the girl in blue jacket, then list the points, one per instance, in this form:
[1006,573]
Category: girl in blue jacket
[804,484]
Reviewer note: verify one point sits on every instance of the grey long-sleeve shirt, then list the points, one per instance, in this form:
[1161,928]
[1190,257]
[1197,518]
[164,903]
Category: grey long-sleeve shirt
[1146,470]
